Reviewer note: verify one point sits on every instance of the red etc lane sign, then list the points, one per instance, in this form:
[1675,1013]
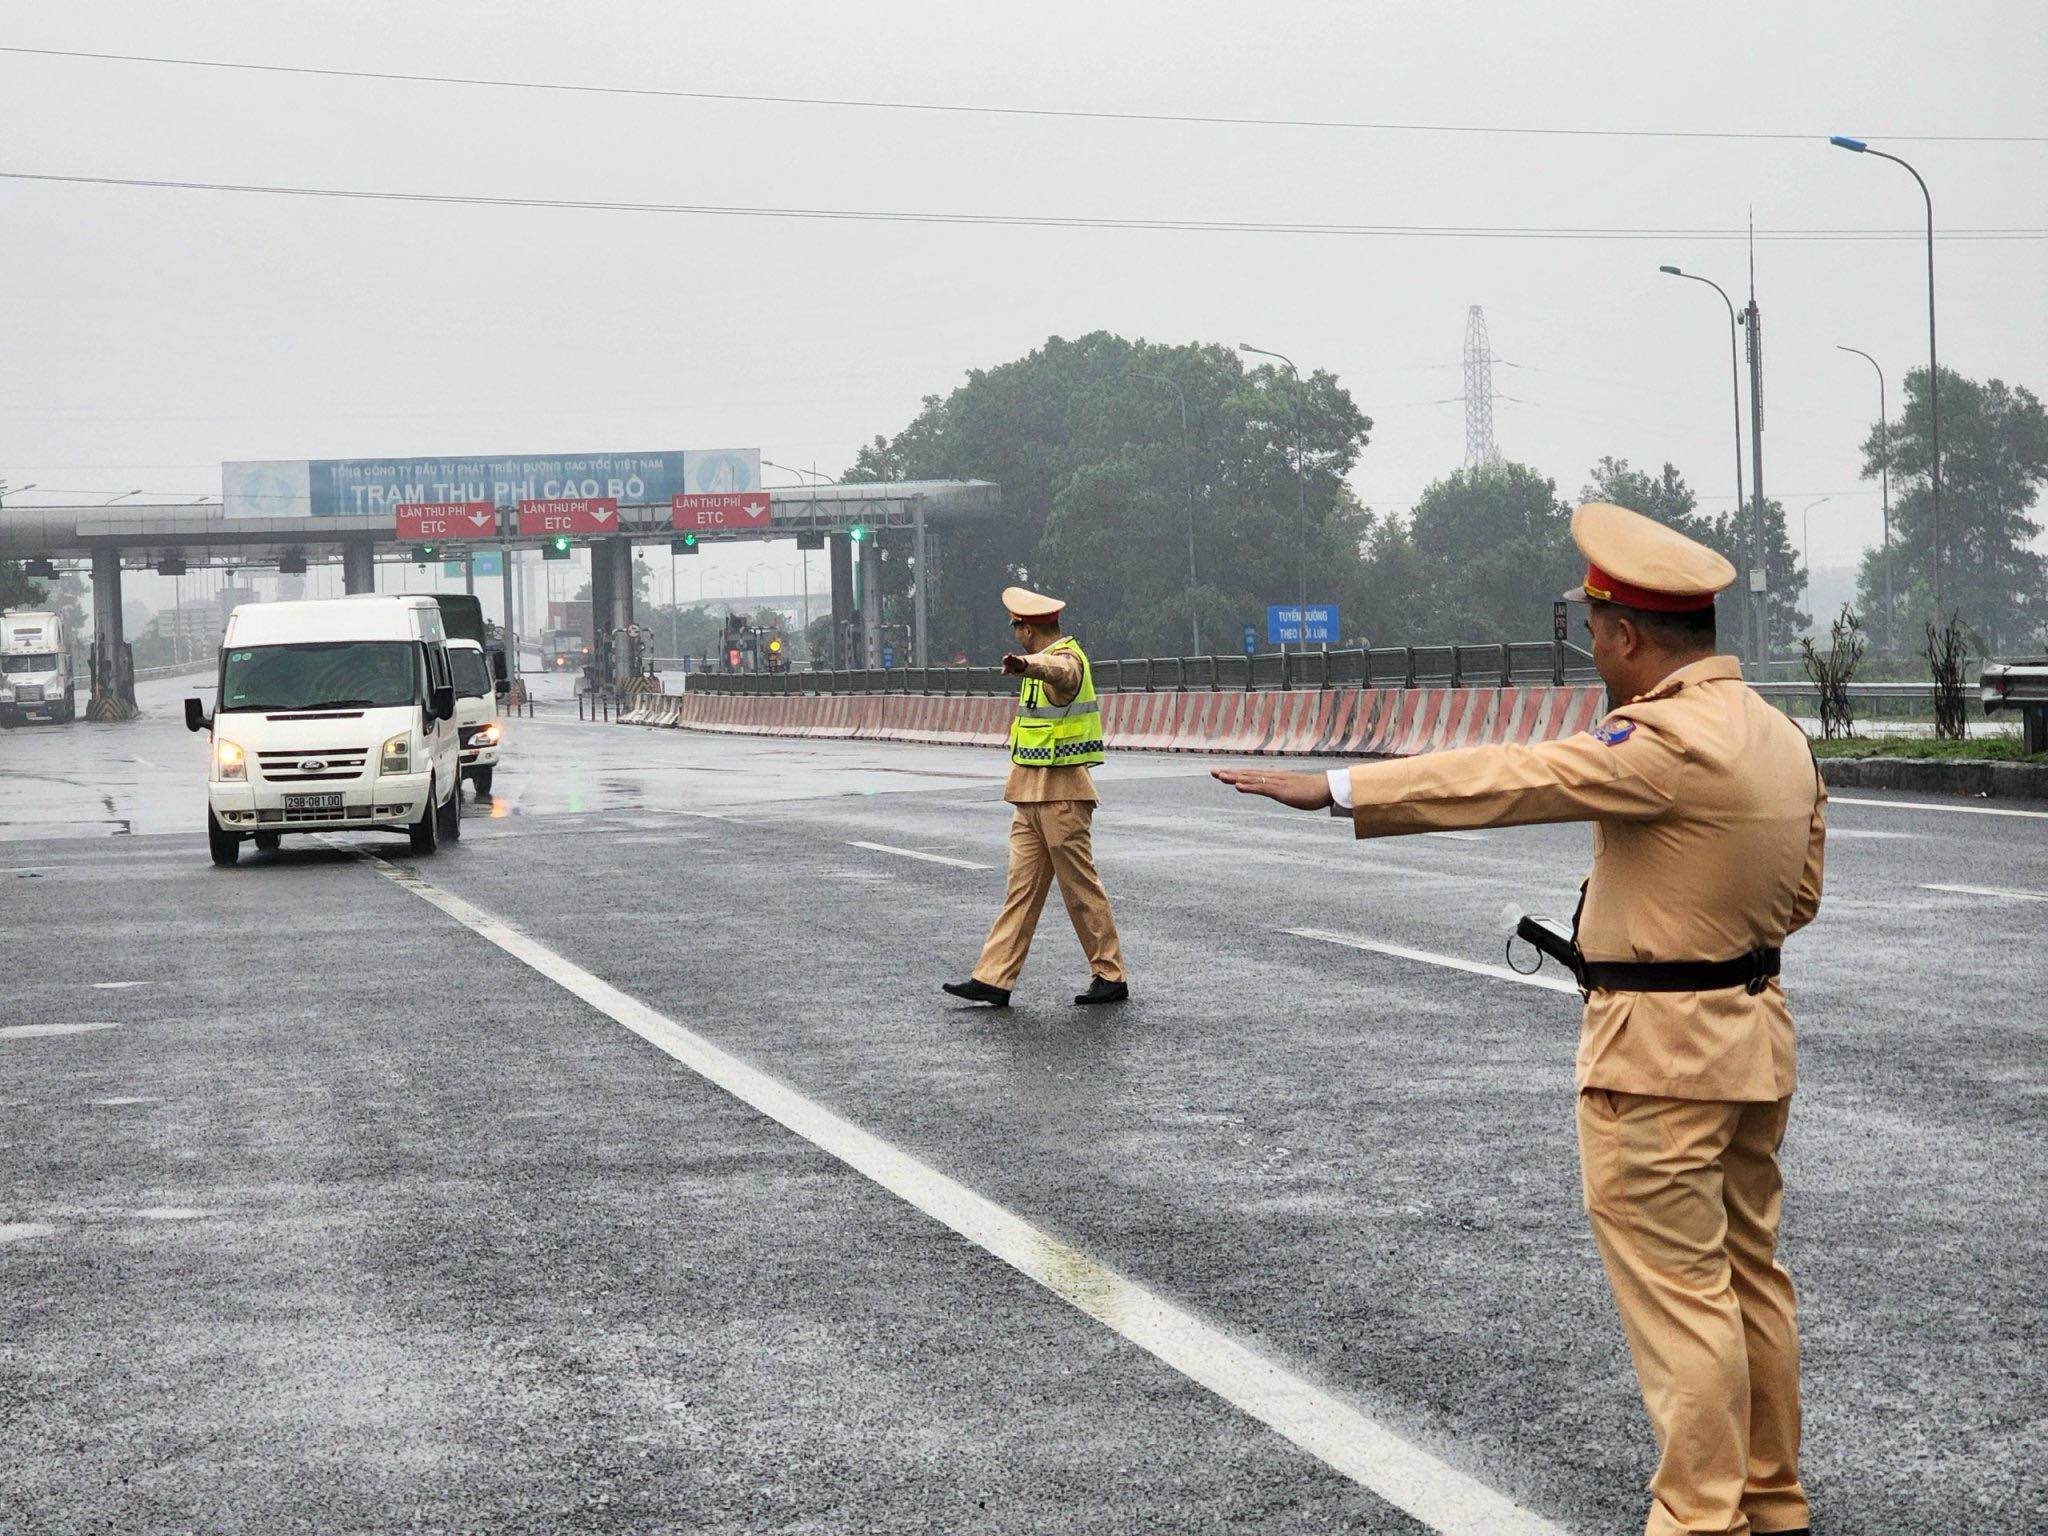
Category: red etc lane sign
[728,511]
[587,514]
[447,520]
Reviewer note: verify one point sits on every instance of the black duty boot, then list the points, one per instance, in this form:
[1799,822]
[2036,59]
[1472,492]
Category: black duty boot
[1101,990]
[978,992]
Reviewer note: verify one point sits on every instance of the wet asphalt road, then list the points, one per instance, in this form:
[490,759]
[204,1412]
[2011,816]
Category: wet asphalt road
[352,1222]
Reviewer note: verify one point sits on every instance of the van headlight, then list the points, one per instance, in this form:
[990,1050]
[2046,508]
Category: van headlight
[487,735]
[230,762]
[397,754]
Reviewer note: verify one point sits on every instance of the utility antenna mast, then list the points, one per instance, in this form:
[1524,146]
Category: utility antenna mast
[1479,445]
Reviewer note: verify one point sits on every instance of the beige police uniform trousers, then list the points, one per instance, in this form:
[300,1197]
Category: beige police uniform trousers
[1683,1196]
[1051,840]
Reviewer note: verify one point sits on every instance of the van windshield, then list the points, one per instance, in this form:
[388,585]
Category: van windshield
[472,677]
[327,674]
[33,661]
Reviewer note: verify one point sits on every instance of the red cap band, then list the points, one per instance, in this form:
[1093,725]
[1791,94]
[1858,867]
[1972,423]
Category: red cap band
[1605,588]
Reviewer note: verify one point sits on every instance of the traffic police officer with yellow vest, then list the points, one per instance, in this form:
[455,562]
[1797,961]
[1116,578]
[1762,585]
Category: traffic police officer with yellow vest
[1055,738]
[1708,832]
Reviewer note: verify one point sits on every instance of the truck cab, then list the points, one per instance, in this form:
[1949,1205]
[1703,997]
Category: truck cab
[480,734]
[332,715]
[35,669]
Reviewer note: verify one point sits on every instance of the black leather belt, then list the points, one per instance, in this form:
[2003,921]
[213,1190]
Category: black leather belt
[1750,972]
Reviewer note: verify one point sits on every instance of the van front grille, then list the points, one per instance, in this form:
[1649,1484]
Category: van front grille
[286,767]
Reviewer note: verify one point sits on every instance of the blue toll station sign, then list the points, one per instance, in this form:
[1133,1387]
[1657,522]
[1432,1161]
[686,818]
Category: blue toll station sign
[888,657]
[1284,624]
[1251,640]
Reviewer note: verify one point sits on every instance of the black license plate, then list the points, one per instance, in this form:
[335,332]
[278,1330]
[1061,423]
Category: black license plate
[312,802]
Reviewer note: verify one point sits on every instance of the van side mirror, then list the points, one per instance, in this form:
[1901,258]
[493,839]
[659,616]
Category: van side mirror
[501,673]
[441,702]
[196,717]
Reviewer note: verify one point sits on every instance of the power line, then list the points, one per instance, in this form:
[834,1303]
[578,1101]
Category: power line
[1073,113]
[1034,221]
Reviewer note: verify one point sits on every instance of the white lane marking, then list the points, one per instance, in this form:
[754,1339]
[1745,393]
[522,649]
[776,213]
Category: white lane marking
[30,1031]
[1449,962]
[21,1231]
[1989,890]
[172,1213]
[1462,837]
[1436,1494]
[912,853]
[27,869]
[115,986]
[147,1098]
[1925,805]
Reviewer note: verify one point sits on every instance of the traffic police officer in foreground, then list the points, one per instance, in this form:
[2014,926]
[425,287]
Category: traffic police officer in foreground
[1708,829]
[1054,739]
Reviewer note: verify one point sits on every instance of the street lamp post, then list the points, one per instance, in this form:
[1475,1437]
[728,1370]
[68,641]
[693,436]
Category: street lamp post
[1884,469]
[1300,493]
[1857,146]
[1188,469]
[1806,540]
[1749,607]
[804,556]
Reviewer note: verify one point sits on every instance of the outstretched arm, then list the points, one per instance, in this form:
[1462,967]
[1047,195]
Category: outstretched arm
[1303,791]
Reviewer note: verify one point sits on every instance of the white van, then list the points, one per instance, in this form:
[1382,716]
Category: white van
[478,730]
[333,715]
[35,668]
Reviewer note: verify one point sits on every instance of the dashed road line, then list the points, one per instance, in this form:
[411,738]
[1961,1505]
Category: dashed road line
[36,1031]
[1438,1495]
[1448,962]
[912,853]
[1989,890]
[1928,805]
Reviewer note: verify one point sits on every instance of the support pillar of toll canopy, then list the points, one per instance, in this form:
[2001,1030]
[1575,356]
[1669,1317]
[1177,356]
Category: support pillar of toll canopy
[113,679]
[358,567]
[841,551]
[871,601]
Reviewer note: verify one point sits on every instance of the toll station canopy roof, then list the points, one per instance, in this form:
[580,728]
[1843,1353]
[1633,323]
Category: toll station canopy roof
[200,531]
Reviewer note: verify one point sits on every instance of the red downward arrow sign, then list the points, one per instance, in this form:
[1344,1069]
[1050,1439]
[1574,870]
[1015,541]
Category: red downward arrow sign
[603,514]
[755,507]
[482,519]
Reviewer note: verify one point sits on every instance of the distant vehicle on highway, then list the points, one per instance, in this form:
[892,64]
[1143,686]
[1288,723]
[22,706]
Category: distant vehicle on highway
[479,731]
[35,668]
[564,650]
[333,715]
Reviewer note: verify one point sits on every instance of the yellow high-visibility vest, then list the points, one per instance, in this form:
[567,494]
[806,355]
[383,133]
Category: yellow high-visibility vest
[1048,735]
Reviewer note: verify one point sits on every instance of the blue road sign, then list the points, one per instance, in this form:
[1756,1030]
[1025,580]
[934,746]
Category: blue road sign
[1251,640]
[1284,626]
[888,657]
[488,562]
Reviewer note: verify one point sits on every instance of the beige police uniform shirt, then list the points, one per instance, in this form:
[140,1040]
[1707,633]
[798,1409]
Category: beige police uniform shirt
[1060,671]
[1708,830]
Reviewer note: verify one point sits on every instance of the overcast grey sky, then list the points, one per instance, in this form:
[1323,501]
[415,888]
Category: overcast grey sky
[150,334]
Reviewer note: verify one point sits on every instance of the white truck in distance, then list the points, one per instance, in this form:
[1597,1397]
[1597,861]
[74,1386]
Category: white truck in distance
[333,715]
[479,732]
[35,668]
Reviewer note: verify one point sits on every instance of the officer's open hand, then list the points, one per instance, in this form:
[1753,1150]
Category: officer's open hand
[1303,791]
[1014,664]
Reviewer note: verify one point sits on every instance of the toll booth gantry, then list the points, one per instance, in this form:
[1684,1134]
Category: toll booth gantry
[140,536]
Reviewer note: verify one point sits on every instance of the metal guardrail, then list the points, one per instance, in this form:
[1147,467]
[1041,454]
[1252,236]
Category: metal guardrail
[1533,663]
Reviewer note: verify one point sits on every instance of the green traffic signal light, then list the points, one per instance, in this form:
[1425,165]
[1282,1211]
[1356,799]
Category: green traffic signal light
[422,553]
[857,533]
[561,543]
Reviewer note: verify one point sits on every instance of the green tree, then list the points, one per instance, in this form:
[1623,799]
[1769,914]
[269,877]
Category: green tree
[16,590]
[1994,456]
[1667,498]
[1094,487]
[1495,548]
